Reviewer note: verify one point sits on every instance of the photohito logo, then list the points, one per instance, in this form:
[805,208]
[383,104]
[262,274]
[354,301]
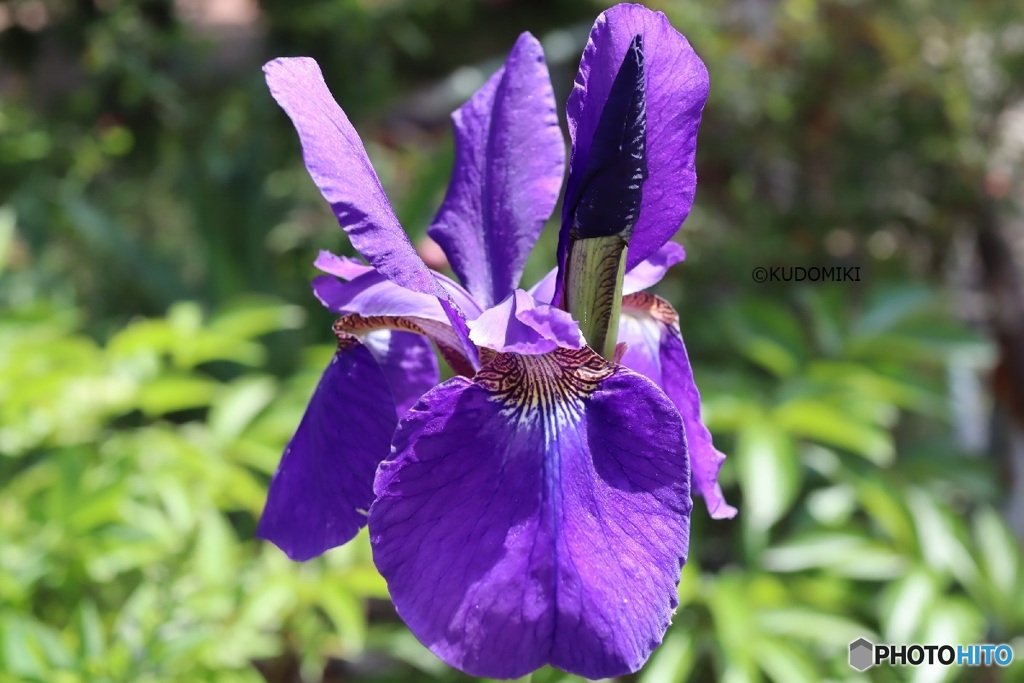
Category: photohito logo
[864,654]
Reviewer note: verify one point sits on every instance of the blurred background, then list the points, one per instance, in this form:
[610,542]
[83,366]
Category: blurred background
[158,339]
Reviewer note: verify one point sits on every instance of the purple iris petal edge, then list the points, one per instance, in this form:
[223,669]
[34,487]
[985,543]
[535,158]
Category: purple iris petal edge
[508,130]
[677,86]
[563,543]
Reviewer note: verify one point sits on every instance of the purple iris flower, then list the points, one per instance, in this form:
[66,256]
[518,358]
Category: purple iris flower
[534,509]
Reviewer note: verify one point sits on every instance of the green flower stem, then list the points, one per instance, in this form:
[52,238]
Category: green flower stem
[593,289]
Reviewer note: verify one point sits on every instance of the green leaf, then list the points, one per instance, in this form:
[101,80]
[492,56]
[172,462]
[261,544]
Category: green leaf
[905,604]
[783,662]
[171,393]
[769,335]
[844,554]
[674,660]
[938,538]
[31,648]
[830,426]
[8,221]
[891,306]
[237,404]
[999,557]
[346,612]
[252,317]
[811,625]
[91,633]
[214,561]
[768,472]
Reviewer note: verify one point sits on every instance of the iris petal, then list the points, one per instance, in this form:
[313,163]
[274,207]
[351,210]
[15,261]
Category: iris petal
[537,514]
[340,266]
[650,272]
[320,493]
[373,294]
[509,162]
[520,324]
[676,89]
[337,162]
[642,276]
[370,303]
[649,326]
[408,363]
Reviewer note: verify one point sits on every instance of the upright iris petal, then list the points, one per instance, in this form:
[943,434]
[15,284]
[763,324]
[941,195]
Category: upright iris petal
[611,187]
[538,514]
[676,90]
[509,158]
[604,213]
[337,161]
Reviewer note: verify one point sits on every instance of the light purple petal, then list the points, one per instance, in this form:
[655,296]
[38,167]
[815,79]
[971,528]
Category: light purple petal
[544,290]
[370,293]
[408,362]
[324,485]
[340,266]
[537,515]
[370,303]
[676,89]
[650,272]
[521,325]
[649,326]
[337,162]
[642,276]
[509,162]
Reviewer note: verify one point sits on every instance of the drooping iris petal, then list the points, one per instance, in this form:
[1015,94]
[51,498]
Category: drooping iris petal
[676,89]
[642,276]
[324,484]
[337,162]
[520,324]
[649,326]
[407,361]
[538,514]
[509,161]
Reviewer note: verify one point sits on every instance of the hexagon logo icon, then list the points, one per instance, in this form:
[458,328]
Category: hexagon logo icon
[862,654]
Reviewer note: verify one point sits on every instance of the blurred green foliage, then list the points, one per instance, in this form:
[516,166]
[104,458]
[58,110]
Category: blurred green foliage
[158,342]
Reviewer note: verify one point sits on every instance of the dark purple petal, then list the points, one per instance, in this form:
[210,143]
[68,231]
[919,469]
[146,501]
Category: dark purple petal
[676,89]
[649,326]
[537,515]
[509,162]
[408,362]
[521,325]
[337,162]
[611,183]
[324,485]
